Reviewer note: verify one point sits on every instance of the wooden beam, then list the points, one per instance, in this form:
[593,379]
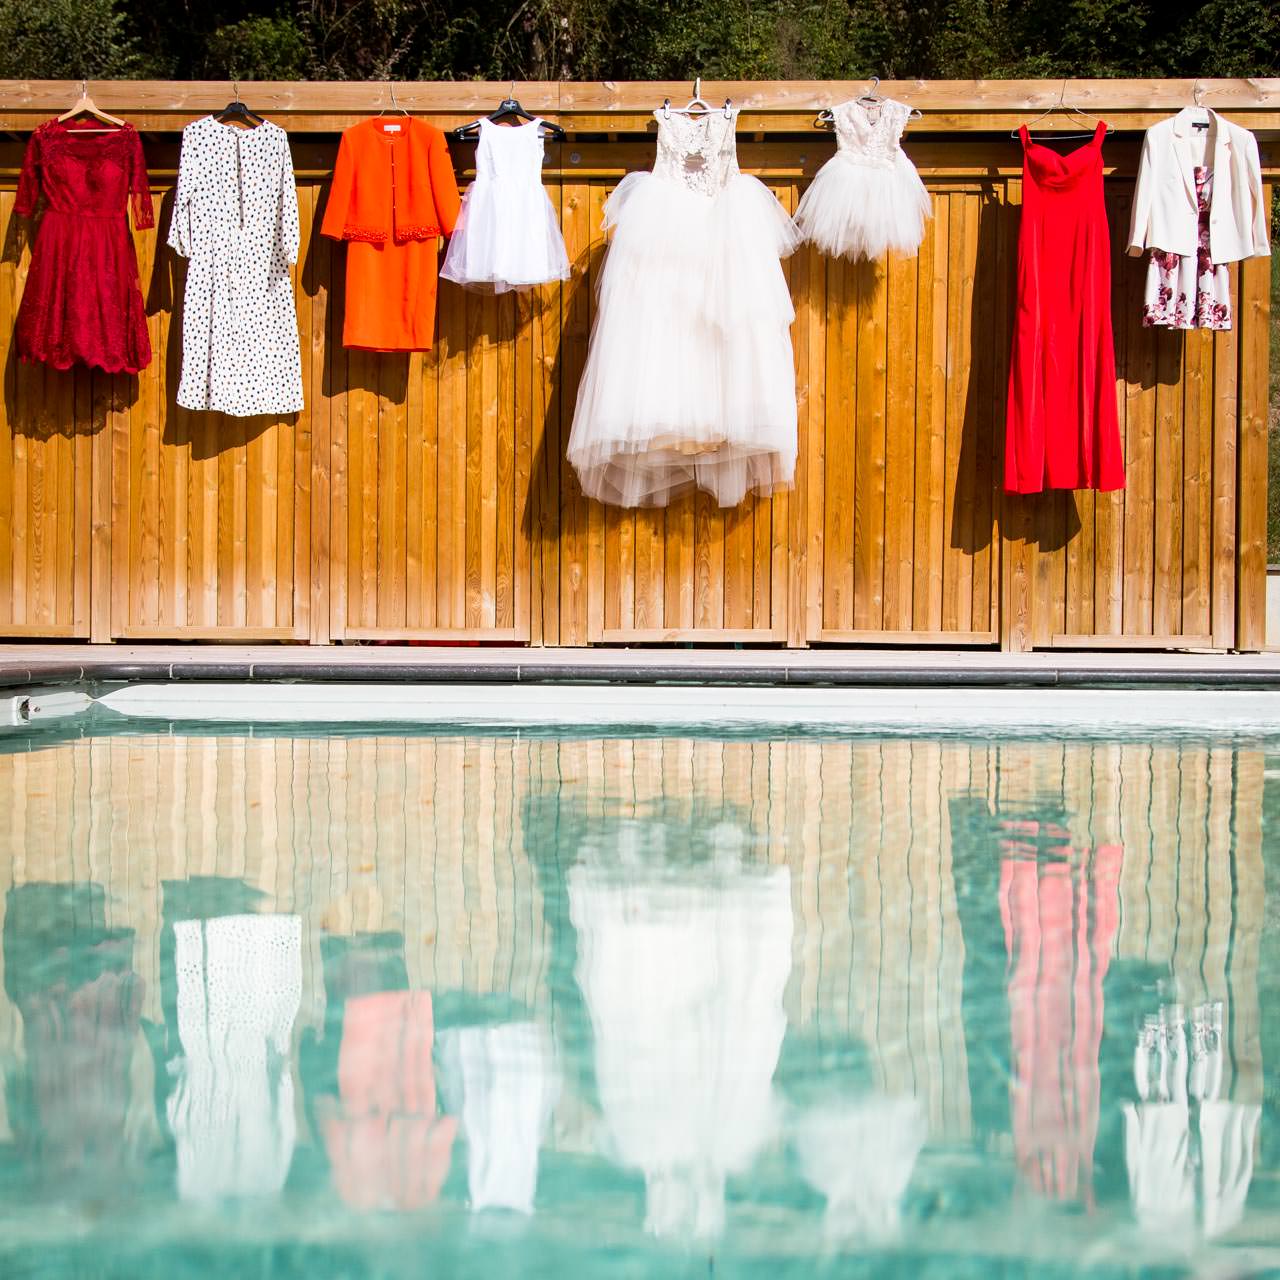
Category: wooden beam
[615,107]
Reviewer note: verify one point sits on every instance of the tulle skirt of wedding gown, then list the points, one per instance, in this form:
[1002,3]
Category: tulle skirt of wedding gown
[683,978]
[507,237]
[690,379]
[858,210]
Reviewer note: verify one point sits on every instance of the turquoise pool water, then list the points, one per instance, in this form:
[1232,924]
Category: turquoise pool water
[385,1004]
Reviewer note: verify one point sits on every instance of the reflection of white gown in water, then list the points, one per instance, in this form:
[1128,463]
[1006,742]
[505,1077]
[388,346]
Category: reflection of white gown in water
[860,1155]
[232,1110]
[683,974]
[689,378]
[502,1080]
[1162,1182]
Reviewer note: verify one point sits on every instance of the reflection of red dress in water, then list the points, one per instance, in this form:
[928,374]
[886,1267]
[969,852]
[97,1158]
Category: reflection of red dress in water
[388,1147]
[82,303]
[1060,920]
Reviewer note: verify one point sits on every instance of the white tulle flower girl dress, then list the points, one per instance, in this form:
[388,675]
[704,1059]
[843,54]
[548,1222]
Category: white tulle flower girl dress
[507,235]
[867,200]
[689,378]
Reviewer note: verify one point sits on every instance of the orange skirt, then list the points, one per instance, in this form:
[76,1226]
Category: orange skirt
[391,295]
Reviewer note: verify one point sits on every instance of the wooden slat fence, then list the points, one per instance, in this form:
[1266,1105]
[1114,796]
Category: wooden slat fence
[426,496]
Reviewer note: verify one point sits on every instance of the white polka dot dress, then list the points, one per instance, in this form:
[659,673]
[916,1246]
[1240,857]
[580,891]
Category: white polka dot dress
[235,218]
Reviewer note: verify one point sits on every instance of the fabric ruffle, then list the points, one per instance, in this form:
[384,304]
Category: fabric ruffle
[401,235]
[857,210]
[690,379]
[507,238]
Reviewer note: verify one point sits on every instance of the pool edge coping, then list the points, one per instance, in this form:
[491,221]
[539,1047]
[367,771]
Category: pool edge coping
[665,672]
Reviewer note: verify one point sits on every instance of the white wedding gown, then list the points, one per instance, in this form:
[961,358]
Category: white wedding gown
[690,379]
[683,973]
[867,200]
[507,235]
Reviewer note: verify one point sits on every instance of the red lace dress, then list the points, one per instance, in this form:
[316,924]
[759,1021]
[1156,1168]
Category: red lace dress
[82,303]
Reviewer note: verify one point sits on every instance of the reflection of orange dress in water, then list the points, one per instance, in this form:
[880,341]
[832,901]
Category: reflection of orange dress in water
[387,1146]
[1060,920]
[393,196]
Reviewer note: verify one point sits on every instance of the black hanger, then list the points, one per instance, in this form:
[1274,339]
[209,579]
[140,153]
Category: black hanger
[236,110]
[509,109]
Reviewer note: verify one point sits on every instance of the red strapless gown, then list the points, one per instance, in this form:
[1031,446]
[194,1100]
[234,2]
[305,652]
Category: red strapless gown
[1063,429]
[82,303]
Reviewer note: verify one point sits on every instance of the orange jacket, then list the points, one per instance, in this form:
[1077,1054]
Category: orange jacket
[393,180]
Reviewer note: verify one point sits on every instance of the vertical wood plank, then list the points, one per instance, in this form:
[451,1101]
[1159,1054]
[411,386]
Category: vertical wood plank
[1197,411]
[1108,508]
[980,418]
[576,319]
[841,362]
[504,461]
[1139,503]
[1226,407]
[1166,609]
[869,433]
[1251,556]
[320,555]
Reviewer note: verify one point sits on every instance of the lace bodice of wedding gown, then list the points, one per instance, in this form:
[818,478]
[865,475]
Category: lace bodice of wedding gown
[698,152]
[870,135]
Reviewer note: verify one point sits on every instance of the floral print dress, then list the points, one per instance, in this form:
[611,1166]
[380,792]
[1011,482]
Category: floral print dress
[1189,292]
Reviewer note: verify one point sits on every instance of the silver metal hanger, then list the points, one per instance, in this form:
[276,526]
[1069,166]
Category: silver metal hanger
[395,106]
[697,105]
[872,98]
[1062,105]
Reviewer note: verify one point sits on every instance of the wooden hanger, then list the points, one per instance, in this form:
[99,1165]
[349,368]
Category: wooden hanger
[510,109]
[85,105]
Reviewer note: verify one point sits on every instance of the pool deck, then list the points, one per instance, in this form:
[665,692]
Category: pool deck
[35,664]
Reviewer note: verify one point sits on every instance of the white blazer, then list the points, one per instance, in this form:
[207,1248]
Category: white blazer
[1165,215]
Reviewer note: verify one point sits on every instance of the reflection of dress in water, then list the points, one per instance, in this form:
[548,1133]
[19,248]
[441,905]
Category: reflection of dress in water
[232,1109]
[860,1154]
[505,1085]
[1160,1150]
[388,1147]
[73,982]
[683,971]
[1060,919]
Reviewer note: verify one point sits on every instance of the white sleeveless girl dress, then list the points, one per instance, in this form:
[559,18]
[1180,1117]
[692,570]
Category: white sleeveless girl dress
[689,379]
[508,236]
[867,200]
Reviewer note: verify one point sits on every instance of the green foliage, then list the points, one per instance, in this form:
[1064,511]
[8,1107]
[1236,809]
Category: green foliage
[259,49]
[640,39]
[65,39]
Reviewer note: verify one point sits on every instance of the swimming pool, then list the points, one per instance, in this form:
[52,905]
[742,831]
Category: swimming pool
[381,1001]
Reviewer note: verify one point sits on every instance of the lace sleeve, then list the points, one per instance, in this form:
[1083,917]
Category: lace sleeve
[29,182]
[139,190]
